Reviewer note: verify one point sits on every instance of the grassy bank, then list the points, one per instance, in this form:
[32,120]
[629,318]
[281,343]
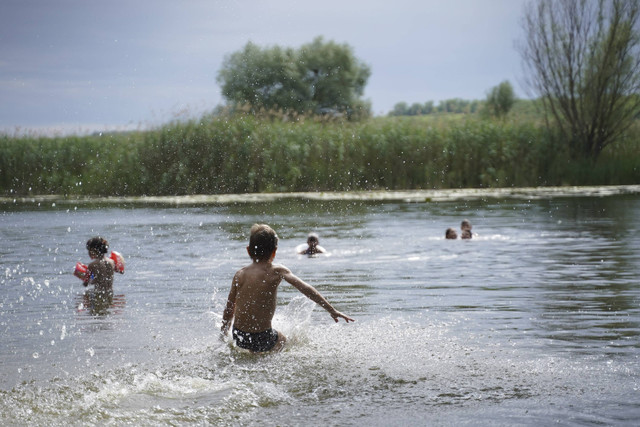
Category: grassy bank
[248,154]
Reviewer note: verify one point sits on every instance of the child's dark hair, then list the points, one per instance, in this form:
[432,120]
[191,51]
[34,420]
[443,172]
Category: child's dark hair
[263,242]
[98,245]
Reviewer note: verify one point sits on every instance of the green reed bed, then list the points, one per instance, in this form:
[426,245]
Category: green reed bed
[249,154]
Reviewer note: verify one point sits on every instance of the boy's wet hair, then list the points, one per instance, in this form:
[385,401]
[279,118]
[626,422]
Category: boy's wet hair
[263,242]
[98,245]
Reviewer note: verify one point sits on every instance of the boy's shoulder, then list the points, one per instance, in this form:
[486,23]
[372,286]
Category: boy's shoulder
[264,268]
[94,262]
[280,269]
[102,262]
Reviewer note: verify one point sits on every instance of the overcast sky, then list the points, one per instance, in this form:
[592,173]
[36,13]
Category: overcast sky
[85,65]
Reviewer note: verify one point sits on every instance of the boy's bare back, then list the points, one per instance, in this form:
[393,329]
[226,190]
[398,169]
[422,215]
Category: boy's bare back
[256,289]
[102,271]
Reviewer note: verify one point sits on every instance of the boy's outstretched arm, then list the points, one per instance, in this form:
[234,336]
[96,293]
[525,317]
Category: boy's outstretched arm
[313,294]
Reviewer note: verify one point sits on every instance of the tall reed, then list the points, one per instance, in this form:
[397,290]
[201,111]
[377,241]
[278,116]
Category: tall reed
[244,153]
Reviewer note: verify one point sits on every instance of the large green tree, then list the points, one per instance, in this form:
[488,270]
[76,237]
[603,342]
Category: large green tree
[319,77]
[582,58]
[500,99]
[264,78]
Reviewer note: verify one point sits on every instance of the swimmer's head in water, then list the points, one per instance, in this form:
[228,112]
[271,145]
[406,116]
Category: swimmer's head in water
[313,239]
[97,246]
[465,225]
[262,242]
[451,234]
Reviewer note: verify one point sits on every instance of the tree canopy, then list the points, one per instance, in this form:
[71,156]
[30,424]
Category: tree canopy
[500,99]
[582,58]
[319,77]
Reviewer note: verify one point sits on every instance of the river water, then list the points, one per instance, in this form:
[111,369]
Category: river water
[536,320]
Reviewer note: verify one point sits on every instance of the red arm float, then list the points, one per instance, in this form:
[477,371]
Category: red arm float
[118,262]
[82,272]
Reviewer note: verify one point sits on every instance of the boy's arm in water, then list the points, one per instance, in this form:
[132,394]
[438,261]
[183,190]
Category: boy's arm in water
[227,315]
[312,293]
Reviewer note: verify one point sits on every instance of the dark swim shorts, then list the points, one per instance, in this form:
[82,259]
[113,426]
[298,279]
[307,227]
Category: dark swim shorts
[256,341]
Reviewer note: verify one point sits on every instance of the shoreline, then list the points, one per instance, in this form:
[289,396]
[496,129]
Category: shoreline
[406,196]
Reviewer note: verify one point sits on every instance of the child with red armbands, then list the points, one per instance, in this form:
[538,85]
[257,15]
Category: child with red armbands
[100,271]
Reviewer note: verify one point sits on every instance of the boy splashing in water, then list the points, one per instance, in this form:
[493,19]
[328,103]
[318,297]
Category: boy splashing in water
[252,299]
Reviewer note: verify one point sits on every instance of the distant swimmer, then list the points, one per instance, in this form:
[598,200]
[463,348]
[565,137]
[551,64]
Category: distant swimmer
[252,298]
[465,226]
[451,234]
[313,246]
